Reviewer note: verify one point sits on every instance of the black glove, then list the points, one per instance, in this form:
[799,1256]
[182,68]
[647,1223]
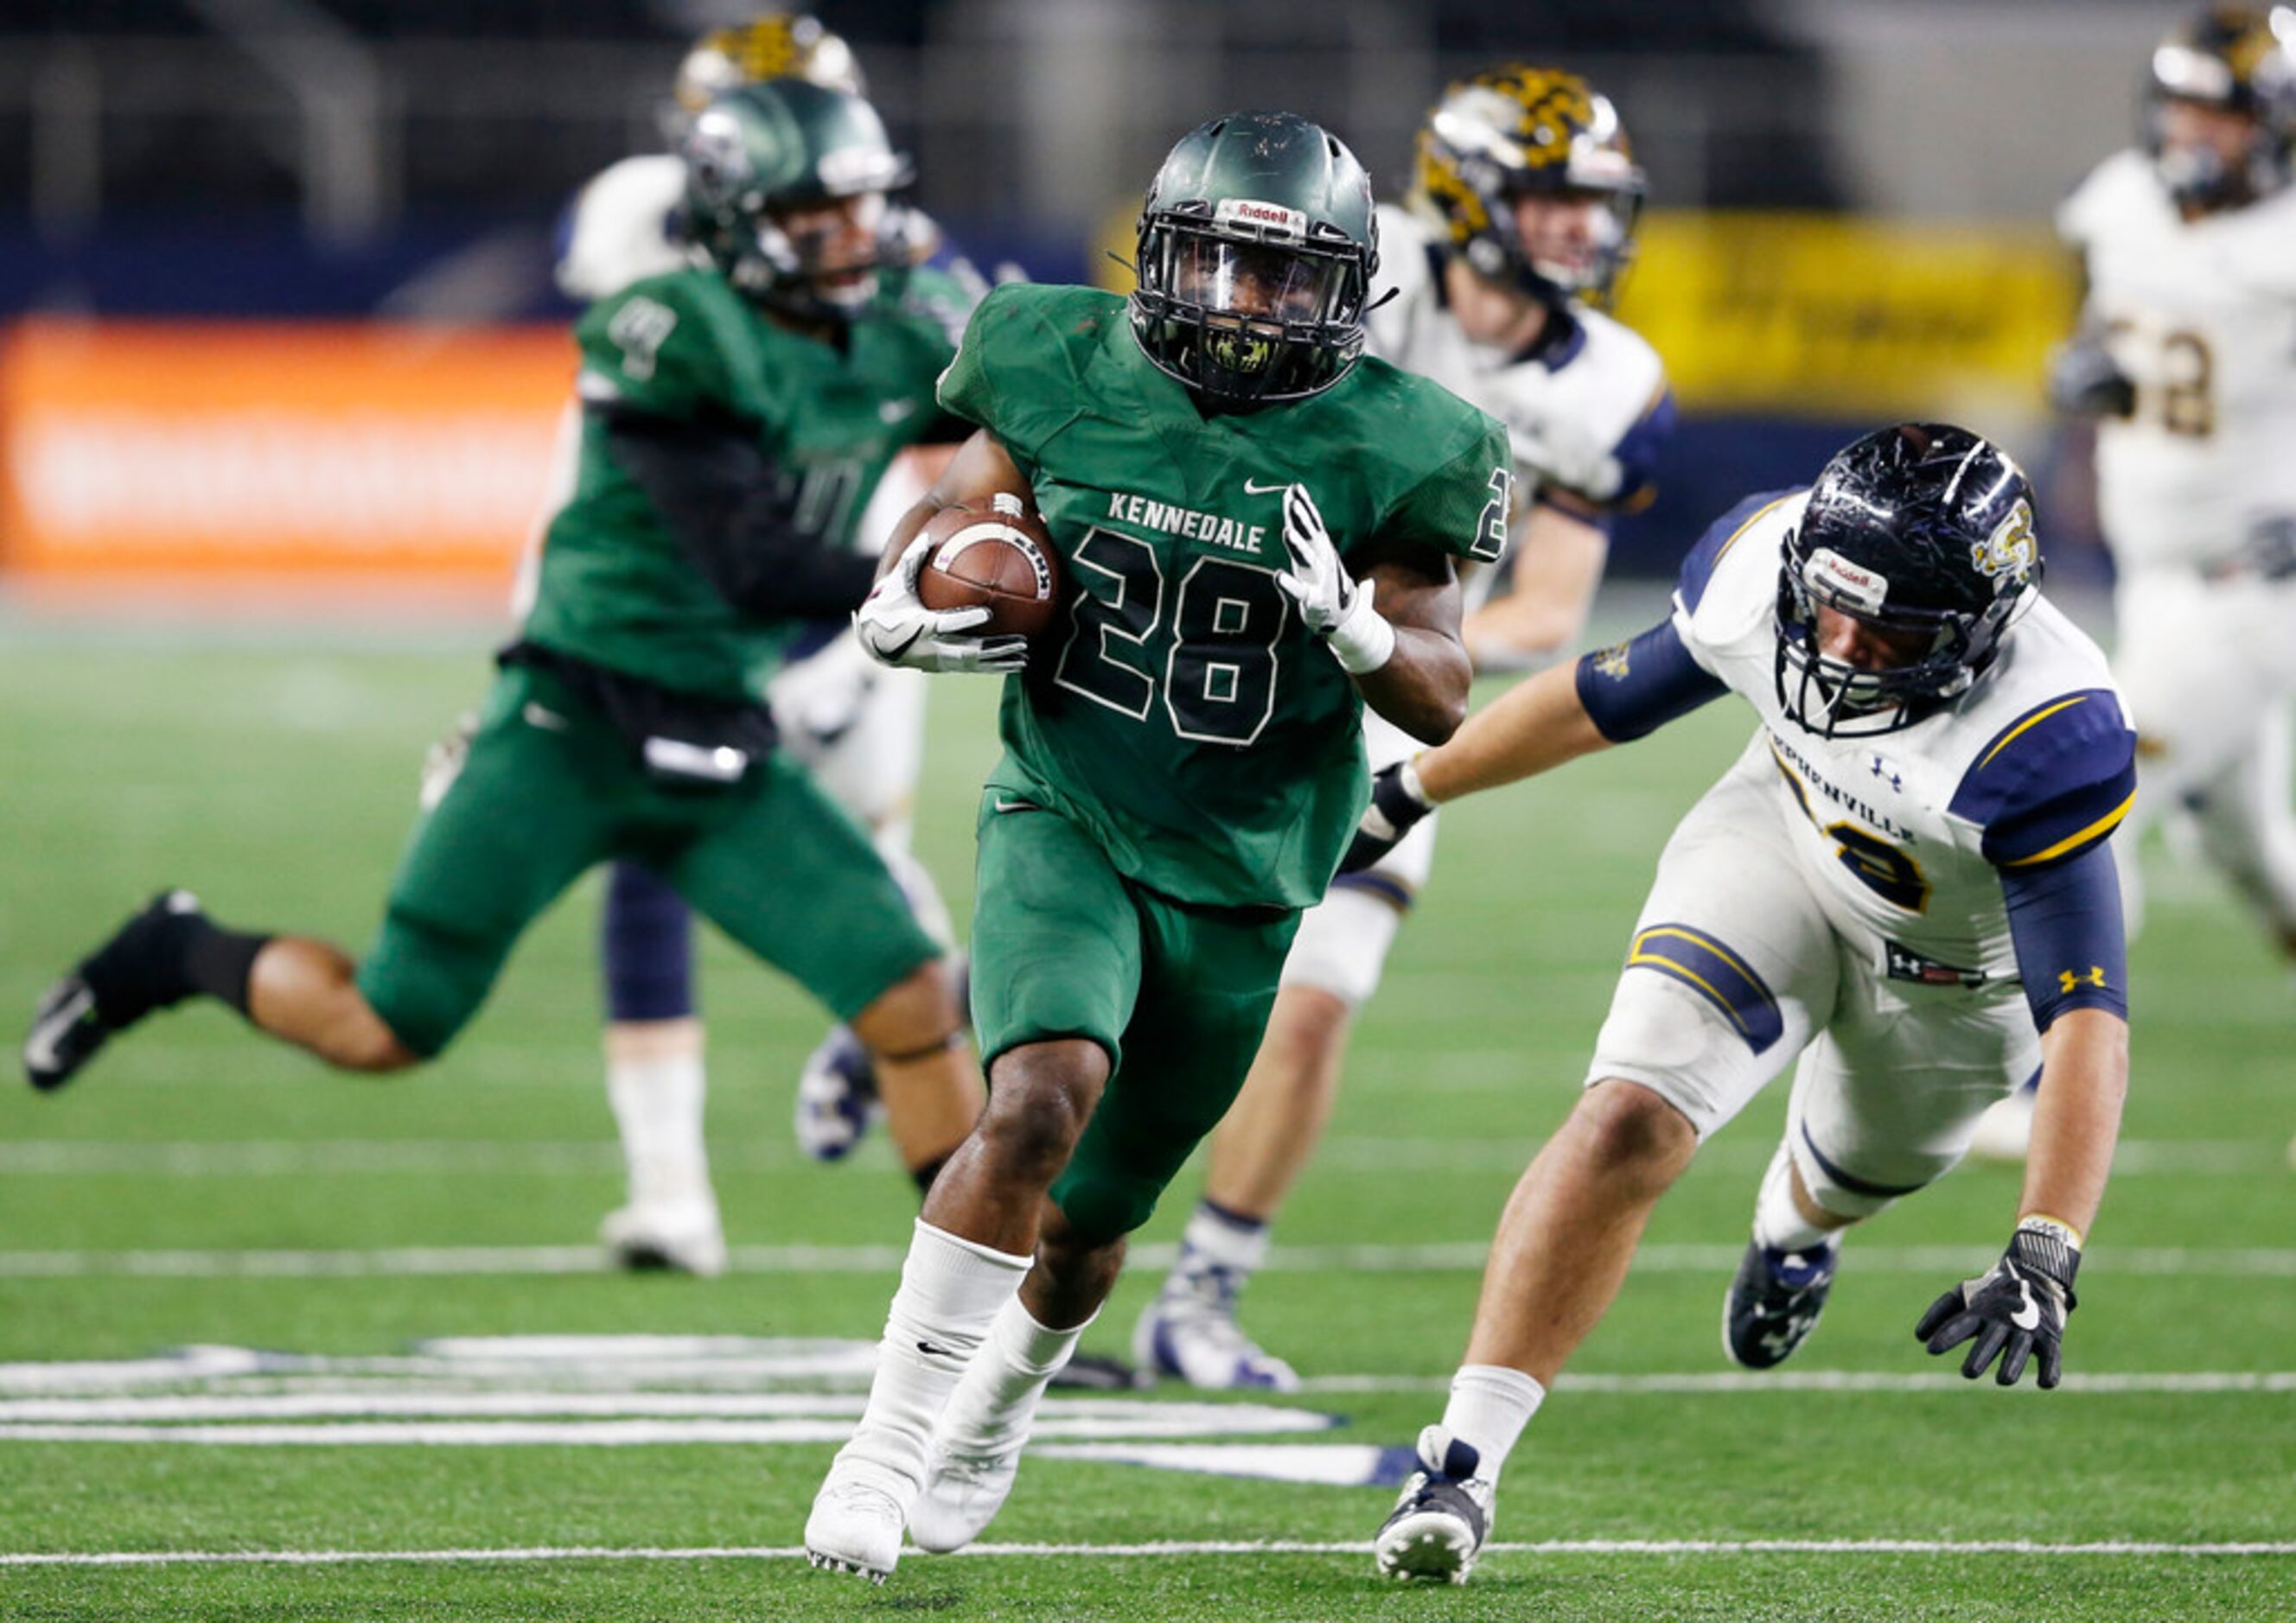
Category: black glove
[2085,382]
[1397,803]
[2016,1308]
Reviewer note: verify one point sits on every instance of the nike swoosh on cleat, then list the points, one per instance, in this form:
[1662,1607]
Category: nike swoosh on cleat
[40,1056]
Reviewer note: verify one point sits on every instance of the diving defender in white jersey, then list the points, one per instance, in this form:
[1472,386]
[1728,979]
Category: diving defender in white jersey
[1904,884]
[1523,204]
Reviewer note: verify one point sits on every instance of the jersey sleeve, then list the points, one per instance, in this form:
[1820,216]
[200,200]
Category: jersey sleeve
[652,349]
[1699,562]
[2052,784]
[1461,508]
[1009,374]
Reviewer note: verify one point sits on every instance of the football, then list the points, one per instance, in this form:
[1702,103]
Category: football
[1000,556]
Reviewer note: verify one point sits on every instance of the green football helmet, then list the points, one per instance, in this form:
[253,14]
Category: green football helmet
[781,179]
[1256,249]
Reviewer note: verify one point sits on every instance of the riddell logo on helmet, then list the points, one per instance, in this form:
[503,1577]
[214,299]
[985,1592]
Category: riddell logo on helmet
[1273,217]
[1860,590]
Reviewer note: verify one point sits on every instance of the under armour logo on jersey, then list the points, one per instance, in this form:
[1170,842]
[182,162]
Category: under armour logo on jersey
[1889,774]
[2070,979]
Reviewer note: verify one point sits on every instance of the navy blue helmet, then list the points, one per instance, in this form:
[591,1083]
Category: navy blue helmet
[1924,529]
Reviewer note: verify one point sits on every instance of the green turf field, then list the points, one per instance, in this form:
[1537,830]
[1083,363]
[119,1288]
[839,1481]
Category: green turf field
[348,1258]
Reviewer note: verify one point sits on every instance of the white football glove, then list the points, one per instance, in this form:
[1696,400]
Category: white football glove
[898,629]
[1335,608]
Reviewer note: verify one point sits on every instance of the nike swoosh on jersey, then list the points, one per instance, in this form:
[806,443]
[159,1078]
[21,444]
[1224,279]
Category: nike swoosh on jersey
[893,411]
[549,721]
[1002,805]
[1250,489]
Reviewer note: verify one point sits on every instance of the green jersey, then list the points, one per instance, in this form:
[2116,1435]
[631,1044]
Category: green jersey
[1182,713]
[617,588]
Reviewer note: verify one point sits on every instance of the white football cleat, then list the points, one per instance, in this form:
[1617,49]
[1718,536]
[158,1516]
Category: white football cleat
[856,1523]
[677,1236]
[1438,1525]
[1199,1341]
[962,1496]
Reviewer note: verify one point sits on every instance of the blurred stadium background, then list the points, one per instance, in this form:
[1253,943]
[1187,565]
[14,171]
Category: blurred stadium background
[276,271]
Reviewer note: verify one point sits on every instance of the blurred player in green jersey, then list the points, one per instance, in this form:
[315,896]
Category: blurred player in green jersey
[1258,529]
[736,414]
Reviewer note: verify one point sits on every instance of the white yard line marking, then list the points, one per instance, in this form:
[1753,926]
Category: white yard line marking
[1447,1256]
[820,1419]
[1557,1546]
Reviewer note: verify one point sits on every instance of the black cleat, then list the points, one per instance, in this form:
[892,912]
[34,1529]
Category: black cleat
[114,987]
[1438,1526]
[1774,1303]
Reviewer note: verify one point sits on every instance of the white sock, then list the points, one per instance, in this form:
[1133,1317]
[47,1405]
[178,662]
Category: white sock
[1778,1222]
[951,1291]
[1490,1405]
[657,1104]
[1219,1239]
[994,1404]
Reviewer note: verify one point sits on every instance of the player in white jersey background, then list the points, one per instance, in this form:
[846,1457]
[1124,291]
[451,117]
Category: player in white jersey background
[1907,884]
[858,727]
[2186,360]
[1522,215]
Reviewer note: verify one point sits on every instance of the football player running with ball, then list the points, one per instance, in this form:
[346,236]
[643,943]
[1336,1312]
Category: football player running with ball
[1904,884]
[2186,360]
[1522,217]
[1259,531]
[856,725]
[731,416]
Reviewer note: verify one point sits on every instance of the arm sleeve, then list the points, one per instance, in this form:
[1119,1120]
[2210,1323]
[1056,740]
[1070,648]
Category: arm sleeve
[736,514]
[2064,920]
[1636,687]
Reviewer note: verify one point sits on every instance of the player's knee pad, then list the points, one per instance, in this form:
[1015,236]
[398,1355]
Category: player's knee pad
[1692,1024]
[1840,1189]
[648,947]
[1344,939]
